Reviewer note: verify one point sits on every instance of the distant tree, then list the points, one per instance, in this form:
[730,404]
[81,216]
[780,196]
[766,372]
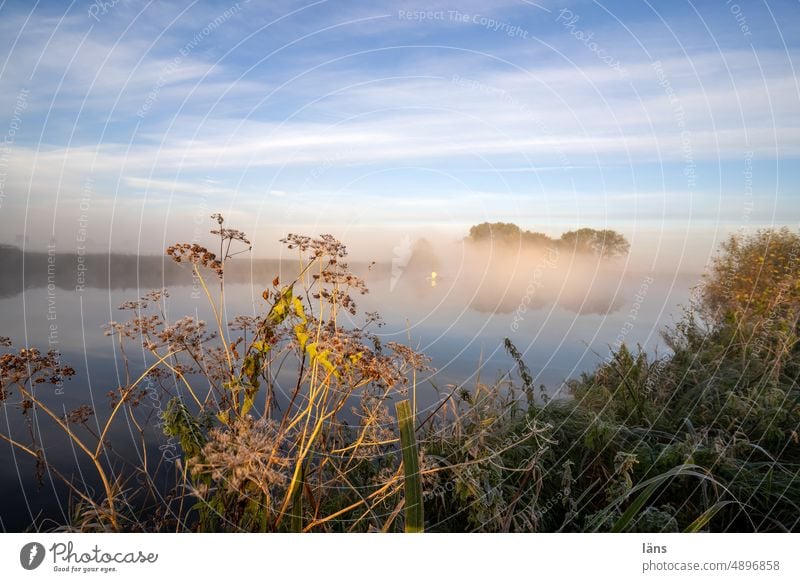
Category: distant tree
[535,238]
[506,232]
[495,231]
[604,243]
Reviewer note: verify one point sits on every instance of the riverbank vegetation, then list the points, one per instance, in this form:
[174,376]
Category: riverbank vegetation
[705,438]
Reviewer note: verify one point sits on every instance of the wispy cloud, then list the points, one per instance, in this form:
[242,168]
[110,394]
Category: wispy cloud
[320,99]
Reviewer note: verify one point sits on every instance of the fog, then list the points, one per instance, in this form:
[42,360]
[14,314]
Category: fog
[482,276]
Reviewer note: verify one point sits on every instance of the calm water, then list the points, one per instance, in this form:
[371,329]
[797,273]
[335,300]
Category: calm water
[561,313]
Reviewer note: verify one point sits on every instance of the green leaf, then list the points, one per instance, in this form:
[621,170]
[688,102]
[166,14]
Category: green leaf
[321,358]
[262,347]
[252,369]
[179,422]
[280,309]
[300,330]
[298,309]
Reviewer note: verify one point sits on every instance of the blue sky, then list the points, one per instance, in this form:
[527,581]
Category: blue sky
[139,118]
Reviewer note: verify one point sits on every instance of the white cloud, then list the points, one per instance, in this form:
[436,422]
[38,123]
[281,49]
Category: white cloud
[520,106]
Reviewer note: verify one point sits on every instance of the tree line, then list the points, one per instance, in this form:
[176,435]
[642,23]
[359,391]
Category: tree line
[603,243]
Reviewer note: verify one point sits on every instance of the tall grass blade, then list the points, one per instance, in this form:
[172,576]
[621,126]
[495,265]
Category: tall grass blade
[706,517]
[415,514]
[297,504]
[634,508]
[649,487]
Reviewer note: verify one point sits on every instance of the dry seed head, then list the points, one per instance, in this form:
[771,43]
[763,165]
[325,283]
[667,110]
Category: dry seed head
[247,452]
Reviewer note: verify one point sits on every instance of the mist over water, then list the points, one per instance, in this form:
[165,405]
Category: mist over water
[453,299]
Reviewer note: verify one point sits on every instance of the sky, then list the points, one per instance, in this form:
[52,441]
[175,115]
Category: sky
[125,124]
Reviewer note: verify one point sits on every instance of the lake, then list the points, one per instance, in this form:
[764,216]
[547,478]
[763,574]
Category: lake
[562,313]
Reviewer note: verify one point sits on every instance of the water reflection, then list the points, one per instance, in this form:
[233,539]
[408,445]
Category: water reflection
[455,305]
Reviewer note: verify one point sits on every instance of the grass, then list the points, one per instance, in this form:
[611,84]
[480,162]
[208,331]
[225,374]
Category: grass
[704,439]
[414,504]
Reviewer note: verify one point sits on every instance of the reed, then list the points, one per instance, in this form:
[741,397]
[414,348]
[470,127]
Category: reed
[415,512]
